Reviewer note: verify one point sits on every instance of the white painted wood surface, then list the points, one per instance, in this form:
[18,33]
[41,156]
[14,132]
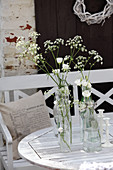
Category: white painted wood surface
[28,81]
[41,148]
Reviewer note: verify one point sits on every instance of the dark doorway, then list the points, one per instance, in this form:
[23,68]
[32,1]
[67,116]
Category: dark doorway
[56,19]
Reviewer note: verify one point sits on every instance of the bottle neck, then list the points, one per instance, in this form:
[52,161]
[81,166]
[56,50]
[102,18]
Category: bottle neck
[86,99]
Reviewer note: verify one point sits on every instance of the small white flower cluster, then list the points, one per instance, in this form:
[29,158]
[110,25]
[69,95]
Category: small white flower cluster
[76,42]
[62,93]
[34,35]
[67,57]
[37,58]
[56,71]
[20,42]
[80,82]
[97,57]
[83,61]
[60,129]
[59,41]
[52,46]
[29,48]
[63,69]
[86,85]
[65,66]
[86,93]
[84,105]
[80,65]
[80,62]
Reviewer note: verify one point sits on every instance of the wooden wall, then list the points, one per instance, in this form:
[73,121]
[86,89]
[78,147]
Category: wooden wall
[55,18]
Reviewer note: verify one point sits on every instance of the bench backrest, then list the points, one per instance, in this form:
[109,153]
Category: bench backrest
[102,88]
[17,84]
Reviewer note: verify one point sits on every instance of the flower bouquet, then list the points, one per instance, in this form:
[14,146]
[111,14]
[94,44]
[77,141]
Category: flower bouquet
[61,66]
[90,134]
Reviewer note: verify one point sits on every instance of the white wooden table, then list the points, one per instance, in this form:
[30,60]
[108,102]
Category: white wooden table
[41,148]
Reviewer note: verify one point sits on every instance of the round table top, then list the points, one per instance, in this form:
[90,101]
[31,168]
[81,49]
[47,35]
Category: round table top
[41,148]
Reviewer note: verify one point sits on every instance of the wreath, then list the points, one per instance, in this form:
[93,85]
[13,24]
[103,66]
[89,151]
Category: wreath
[80,10]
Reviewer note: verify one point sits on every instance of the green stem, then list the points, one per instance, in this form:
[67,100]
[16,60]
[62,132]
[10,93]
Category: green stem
[59,80]
[91,68]
[73,51]
[76,53]
[82,73]
[68,118]
[58,51]
[48,65]
[54,59]
[48,74]
[65,108]
[62,134]
[88,60]
[70,132]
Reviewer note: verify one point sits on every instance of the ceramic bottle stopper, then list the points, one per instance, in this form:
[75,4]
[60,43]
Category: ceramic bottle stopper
[107,143]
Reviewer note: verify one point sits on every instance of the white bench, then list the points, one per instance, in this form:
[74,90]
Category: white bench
[18,83]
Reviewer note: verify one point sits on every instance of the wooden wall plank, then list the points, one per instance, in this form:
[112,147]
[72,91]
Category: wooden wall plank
[66,19]
[100,38]
[46,21]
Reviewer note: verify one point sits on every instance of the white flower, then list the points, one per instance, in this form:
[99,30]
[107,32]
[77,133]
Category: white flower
[59,41]
[84,83]
[66,57]
[66,88]
[55,102]
[93,52]
[69,101]
[78,82]
[65,67]
[55,71]
[60,129]
[86,93]
[59,60]
[89,85]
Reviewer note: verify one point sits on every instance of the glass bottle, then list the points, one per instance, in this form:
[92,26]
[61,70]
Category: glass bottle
[92,138]
[63,118]
[82,110]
